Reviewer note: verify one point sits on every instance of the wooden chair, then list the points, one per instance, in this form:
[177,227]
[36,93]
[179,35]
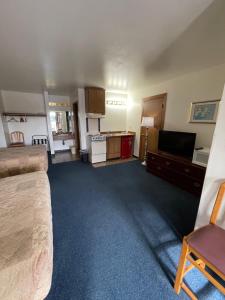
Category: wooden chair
[16,139]
[207,244]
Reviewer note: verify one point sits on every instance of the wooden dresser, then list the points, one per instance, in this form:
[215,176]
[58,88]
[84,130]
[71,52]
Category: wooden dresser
[177,170]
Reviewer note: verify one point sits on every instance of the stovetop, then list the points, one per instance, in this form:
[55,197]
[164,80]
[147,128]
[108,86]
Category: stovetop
[97,137]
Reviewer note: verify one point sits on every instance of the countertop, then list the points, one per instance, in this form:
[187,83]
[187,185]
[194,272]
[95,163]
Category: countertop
[118,134]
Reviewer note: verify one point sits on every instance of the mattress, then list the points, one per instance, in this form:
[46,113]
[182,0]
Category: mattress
[14,161]
[26,250]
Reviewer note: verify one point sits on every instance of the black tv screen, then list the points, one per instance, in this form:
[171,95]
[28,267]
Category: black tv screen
[177,143]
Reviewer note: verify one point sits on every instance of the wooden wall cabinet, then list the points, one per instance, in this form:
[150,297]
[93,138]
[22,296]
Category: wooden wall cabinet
[95,100]
[113,147]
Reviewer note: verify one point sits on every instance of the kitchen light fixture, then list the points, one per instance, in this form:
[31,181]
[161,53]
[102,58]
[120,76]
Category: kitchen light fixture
[116,98]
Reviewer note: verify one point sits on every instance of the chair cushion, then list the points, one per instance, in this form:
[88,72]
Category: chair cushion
[209,242]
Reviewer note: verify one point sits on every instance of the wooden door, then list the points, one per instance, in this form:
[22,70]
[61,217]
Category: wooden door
[76,126]
[152,107]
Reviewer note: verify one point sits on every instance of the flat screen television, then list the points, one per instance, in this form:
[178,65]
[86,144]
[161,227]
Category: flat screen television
[177,143]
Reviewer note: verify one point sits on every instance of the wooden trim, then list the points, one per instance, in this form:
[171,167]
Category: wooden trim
[190,267]
[155,97]
[200,265]
[208,264]
[207,275]
[201,261]
[76,125]
[94,88]
[207,101]
[11,114]
[218,203]
[181,267]
[188,291]
[201,102]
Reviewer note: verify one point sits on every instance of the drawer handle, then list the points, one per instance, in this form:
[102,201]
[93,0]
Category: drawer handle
[196,184]
[159,168]
[187,170]
[168,163]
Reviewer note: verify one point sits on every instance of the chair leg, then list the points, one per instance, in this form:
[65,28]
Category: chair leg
[202,264]
[181,268]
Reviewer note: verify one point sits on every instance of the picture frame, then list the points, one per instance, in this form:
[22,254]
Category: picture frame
[204,112]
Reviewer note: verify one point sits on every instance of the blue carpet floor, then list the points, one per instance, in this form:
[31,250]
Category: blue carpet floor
[117,233]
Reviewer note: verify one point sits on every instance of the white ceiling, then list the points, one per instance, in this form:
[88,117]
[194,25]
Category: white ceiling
[202,45]
[62,44]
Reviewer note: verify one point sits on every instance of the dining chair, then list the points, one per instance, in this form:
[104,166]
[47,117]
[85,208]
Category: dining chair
[17,139]
[204,249]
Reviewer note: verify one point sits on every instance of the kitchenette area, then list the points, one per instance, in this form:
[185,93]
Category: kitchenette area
[109,145]
[91,128]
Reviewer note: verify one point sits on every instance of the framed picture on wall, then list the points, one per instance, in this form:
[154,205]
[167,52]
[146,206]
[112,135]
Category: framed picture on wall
[204,112]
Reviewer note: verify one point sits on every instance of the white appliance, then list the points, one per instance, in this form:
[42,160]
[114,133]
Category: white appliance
[94,116]
[97,148]
[201,156]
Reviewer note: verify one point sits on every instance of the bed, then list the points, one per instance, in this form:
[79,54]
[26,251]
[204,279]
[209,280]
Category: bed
[26,250]
[14,161]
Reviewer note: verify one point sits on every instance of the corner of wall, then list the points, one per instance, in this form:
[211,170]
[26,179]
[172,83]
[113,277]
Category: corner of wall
[215,173]
[82,118]
[46,100]
[4,137]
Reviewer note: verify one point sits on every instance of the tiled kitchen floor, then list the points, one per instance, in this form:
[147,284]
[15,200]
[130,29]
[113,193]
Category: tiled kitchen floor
[64,156]
[113,162]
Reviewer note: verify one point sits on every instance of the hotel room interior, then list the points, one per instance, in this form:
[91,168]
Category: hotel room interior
[112,150]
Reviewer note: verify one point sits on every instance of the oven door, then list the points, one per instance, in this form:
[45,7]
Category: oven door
[98,147]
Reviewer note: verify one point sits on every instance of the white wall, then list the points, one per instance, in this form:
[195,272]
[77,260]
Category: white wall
[48,122]
[26,103]
[23,102]
[115,118]
[82,118]
[2,134]
[215,173]
[200,86]
[33,126]
[2,131]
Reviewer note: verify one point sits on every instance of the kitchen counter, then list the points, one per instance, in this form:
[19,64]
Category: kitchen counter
[118,134]
[119,144]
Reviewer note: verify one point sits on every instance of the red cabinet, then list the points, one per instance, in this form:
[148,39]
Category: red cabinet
[126,146]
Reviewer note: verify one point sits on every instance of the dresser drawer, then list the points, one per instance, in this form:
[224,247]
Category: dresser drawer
[154,158]
[186,182]
[191,170]
[162,171]
[184,174]
[163,161]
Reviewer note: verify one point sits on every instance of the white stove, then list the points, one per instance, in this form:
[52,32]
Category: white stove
[97,148]
[97,137]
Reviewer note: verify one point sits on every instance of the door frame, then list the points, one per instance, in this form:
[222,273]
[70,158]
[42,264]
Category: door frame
[150,98]
[76,125]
